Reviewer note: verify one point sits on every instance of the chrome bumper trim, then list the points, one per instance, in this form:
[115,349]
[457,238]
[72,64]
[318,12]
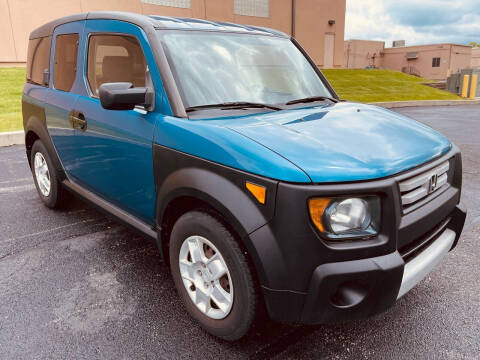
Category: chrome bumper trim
[419,267]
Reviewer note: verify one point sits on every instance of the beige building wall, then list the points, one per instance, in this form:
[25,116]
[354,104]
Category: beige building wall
[452,58]
[475,63]
[358,54]
[460,58]
[7,52]
[307,20]
[313,31]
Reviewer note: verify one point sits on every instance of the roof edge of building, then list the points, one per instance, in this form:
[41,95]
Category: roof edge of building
[423,45]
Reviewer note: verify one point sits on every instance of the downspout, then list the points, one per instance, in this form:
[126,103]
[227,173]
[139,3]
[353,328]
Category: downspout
[450,69]
[11,29]
[348,54]
[293,18]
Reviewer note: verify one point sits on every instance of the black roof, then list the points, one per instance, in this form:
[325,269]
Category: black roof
[147,22]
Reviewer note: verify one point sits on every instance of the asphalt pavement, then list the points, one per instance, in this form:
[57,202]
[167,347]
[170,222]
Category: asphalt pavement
[77,285]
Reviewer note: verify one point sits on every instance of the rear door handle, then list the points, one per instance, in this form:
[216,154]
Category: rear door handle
[78,121]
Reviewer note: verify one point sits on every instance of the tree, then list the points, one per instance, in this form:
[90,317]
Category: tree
[474,44]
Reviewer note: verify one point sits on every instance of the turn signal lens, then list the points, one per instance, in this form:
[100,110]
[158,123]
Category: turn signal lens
[258,191]
[317,208]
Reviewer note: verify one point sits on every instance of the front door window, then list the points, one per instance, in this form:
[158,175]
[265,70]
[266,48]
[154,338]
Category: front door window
[115,58]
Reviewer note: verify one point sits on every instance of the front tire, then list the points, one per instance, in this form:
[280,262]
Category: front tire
[212,275]
[45,177]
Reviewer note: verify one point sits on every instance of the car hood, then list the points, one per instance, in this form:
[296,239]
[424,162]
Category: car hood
[343,141]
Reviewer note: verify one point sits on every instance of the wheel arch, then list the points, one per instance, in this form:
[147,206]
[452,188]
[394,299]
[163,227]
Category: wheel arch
[35,129]
[193,188]
[30,137]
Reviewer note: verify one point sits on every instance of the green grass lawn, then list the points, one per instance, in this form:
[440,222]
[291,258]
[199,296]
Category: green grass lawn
[11,85]
[355,85]
[382,85]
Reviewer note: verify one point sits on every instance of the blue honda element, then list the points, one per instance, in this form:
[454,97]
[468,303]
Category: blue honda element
[227,146]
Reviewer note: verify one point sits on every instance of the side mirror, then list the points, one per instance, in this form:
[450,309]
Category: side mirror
[122,96]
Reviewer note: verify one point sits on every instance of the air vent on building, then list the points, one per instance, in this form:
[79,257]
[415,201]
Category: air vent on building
[174,3]
[257,8]
[398,43]
[411,55]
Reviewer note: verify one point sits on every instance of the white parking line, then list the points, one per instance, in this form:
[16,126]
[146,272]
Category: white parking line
[15,180]
[13,189]
[48,231]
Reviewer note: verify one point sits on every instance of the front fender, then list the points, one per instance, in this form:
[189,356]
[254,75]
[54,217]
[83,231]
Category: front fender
[178,175]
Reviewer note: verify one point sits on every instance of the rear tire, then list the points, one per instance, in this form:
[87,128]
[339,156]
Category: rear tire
[46,177]
[229,320]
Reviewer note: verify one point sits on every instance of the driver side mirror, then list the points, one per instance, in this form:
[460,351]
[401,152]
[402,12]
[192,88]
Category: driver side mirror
[123,96]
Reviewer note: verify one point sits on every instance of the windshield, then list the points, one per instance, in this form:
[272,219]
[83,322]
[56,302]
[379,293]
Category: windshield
[214,68]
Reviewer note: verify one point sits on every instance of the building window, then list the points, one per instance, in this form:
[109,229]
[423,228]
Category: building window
[175,3]
[258,8]
[436,62]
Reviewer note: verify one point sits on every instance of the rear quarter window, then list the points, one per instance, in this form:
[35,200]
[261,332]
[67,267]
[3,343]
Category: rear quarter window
[38,59]
[65,66]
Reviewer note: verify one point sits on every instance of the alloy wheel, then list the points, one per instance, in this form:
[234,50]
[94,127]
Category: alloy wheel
[206,277]
[42,174]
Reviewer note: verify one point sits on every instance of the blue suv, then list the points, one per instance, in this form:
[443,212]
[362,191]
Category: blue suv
[227,146]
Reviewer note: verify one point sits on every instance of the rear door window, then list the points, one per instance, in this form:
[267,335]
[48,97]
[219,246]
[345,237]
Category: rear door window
[38,60]
[65,66]
[115,58]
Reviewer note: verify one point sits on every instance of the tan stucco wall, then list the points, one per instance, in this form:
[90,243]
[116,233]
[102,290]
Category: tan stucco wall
[452,58]
[475,63]
[311,26]
[358,54]
[19,17]
[7,52]
[461,58]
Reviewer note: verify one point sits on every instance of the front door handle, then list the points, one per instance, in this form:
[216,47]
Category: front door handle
[78,121]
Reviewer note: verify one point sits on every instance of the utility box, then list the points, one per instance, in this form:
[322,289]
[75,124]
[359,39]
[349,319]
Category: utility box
[455,81]
[454,85]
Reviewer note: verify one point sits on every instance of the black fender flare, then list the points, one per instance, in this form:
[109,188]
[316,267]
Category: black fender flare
[35,122]
[227,196]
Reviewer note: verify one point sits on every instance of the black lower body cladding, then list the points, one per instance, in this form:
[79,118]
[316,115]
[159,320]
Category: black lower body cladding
[343,290]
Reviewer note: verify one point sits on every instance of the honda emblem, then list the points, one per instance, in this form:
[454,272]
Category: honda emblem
[432,185]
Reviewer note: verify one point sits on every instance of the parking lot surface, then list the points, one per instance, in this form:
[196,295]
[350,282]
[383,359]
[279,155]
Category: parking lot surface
[75,284]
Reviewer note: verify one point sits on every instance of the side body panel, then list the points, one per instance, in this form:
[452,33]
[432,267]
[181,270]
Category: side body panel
[34,121]
[59,104]
[114,155]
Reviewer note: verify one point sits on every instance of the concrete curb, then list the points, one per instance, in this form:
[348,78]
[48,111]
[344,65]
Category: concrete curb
[399,104]
[12,138]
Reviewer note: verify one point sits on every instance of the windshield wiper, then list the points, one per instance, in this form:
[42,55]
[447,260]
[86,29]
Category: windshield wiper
[311,99]
[234,105]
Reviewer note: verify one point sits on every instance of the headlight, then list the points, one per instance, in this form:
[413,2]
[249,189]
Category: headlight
[346,218]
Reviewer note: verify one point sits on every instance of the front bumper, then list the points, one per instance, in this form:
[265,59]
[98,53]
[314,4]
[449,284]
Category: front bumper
[361,288]
[419,267]
[358,289]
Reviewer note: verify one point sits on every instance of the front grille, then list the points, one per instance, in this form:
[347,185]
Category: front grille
[418,187]
[415,247]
